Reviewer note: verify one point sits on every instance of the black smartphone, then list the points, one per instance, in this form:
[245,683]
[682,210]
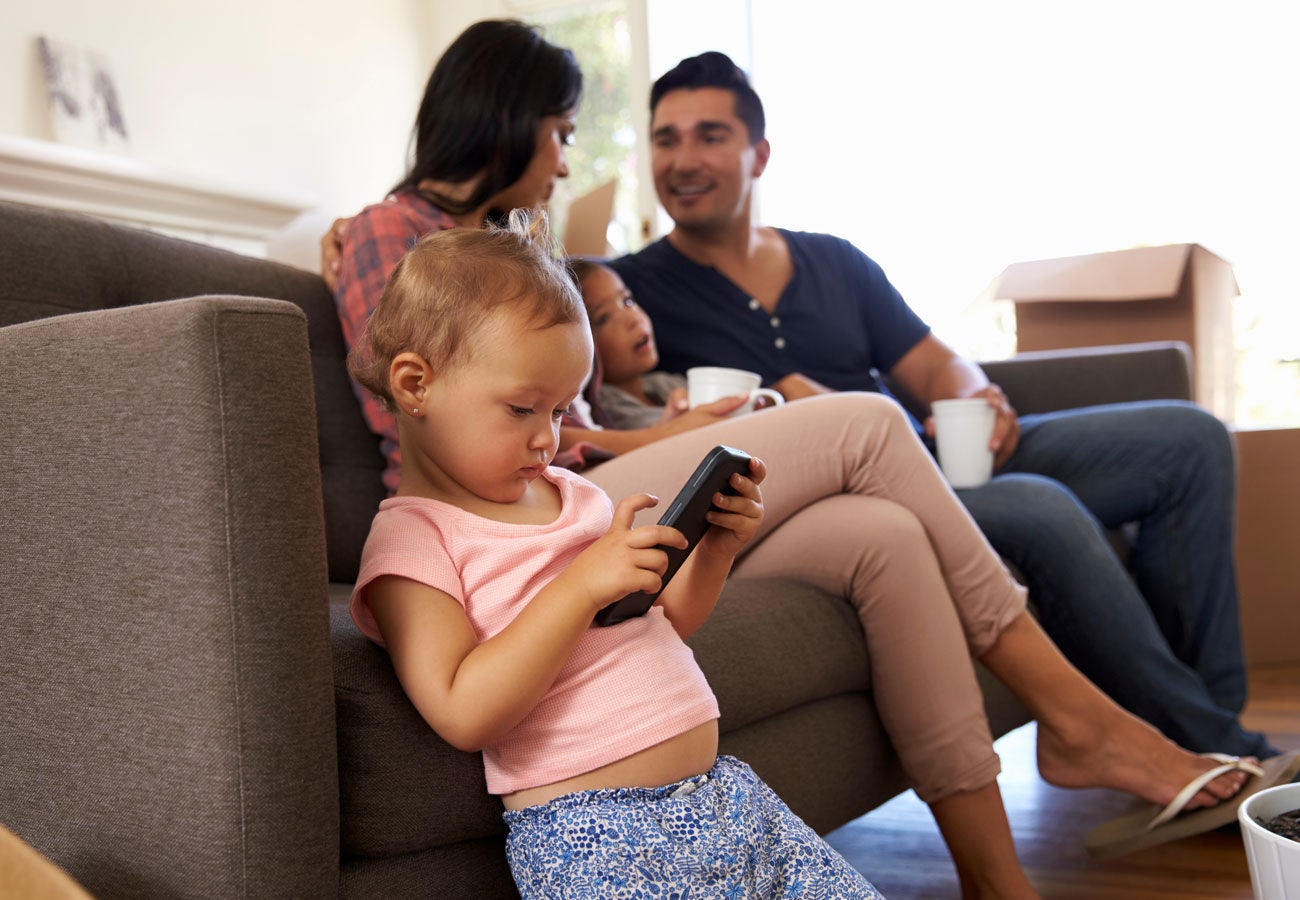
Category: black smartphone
[686,514]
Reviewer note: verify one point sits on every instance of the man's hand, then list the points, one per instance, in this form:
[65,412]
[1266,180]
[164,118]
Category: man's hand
[1006,428]
[1006,425]
[331,250]
[796,386]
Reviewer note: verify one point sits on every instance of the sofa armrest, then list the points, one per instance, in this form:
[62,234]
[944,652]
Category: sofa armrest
[166,701]
[1048,380]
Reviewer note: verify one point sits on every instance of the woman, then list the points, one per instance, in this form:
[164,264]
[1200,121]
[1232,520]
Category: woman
[855,504]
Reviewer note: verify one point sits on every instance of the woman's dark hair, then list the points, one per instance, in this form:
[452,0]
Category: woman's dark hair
[716,70]
[483,106]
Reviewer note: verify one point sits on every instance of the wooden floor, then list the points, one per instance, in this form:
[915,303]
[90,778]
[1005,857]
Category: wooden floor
[899,849]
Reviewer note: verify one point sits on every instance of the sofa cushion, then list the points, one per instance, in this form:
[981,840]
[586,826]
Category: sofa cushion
[117,266]
[773,644]
[166,725]
[770,646]
[402,788]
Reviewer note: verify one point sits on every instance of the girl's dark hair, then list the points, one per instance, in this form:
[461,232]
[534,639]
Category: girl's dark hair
[580,267]
[483,106]
[715,70]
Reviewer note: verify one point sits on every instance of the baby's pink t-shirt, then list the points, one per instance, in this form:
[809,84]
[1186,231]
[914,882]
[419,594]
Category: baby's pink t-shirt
[625,688]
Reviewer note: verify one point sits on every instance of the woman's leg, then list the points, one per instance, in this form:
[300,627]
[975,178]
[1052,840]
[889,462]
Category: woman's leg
[974,826]
[863,445]
[876,553]
[847,443]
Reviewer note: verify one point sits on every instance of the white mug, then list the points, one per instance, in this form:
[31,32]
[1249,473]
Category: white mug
[704,384]
[962,431]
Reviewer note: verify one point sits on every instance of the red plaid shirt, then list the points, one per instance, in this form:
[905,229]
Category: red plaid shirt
[376,240]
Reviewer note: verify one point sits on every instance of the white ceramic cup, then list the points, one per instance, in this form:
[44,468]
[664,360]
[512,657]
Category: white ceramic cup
[1274,860]
[962,430]
[704,384]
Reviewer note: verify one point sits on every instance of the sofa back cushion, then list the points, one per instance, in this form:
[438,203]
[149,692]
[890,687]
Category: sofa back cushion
[56,263]
[166,712]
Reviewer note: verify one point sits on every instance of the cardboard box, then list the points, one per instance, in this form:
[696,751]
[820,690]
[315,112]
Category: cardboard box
[588,219]
[1268,543]
[1179,292]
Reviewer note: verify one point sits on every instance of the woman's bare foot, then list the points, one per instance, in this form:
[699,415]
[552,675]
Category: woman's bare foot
[1084,738]
[1120,751]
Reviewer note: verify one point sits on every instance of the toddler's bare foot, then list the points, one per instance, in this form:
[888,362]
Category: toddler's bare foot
[1120,751]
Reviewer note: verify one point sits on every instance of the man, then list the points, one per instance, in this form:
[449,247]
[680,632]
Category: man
[811,313]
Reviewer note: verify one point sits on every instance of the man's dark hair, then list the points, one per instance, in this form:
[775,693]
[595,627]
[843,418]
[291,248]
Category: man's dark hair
[716,70]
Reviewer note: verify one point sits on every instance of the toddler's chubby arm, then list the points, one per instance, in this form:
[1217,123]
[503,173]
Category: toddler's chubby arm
[691,595]
[473,693]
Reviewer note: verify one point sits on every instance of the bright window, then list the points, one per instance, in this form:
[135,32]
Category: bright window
[950,139]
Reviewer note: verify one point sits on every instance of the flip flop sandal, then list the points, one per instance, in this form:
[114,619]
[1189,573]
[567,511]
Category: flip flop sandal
[1154,826]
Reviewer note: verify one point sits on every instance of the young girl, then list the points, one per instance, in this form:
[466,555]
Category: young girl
[633,395]
[482,575]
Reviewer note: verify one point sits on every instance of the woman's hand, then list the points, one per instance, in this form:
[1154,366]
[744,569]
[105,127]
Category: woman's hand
[331,251]
[738,515]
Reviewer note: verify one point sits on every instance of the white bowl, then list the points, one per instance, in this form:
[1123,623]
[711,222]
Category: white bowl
[1274,860]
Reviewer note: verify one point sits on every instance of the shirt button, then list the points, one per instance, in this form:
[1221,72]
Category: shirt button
[776,322]
[754,304]
[780,343]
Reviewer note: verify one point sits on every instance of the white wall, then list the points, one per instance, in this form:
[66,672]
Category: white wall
[309,98]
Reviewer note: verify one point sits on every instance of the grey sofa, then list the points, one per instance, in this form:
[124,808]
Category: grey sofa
[185,708]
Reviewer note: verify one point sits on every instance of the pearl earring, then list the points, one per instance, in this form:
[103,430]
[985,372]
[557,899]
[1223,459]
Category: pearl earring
[415,410]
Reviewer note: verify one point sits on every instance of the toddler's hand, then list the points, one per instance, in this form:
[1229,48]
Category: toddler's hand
[676,405]
[704,414]
[624,559]
[737,516]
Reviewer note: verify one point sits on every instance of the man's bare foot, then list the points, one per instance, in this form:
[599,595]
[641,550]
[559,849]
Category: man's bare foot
[1120,751]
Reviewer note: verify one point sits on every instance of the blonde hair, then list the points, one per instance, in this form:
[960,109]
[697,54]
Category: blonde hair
[452,283]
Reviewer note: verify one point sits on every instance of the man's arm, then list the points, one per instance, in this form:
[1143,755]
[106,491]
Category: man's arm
[932,370]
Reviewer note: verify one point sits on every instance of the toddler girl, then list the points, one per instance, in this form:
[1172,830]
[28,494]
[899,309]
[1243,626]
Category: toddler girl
[482,575]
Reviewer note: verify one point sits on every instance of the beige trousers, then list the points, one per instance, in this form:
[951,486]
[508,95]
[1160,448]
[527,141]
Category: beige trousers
[856,505]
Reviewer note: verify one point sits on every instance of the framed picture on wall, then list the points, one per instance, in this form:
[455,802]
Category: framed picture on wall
[85,107]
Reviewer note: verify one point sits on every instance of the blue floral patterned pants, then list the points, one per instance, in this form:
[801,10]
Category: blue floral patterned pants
[724,834]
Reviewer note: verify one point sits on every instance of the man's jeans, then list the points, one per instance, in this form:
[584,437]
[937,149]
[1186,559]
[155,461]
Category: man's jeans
[1165,641]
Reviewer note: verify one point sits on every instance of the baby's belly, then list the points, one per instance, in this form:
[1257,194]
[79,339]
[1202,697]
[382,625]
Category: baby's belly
[689,753]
